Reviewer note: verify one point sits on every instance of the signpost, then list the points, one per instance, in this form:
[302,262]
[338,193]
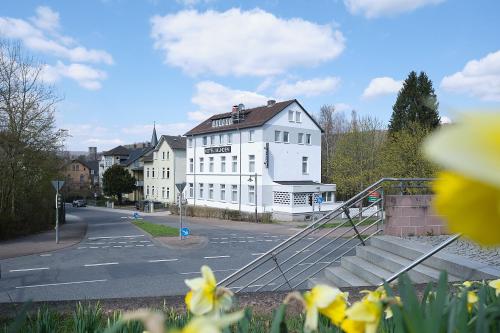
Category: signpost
[57,184]
[373,196]
[180,187]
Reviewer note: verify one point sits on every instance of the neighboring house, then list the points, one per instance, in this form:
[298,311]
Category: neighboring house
[265,159]
[78,180]
[164,167]
[135,165]
[117,155]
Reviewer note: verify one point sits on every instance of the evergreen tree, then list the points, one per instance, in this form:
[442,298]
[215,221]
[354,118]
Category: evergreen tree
[416,104]
[116,181]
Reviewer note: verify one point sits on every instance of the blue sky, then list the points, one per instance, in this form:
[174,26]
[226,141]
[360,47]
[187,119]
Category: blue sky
[120,65]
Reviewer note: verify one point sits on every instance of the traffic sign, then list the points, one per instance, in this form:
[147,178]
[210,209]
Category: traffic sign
[57,184]
[319,200]
[185,232]
[373,196]
[181,186]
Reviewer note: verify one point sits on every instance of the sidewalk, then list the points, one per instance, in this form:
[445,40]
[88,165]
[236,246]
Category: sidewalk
[69,234]
[129,211]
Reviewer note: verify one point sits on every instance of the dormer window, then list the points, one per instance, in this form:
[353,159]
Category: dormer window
[222,122]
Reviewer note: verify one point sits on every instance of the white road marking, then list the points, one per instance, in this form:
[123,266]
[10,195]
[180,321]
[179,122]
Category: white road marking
[111,237]
[242,241]
[139,245]
[117,246]
[93,247]
[215,271]
[128,246]
[122,242]
[268,240]
[124,217]
[59,284]
[82,247]
[250,237]
[144,241]
[215,238]
[29,269]
[163,260]
[101,264]
[46,255]
[106,246]
[223,238]
[224,242]
[150,245]
[217,257]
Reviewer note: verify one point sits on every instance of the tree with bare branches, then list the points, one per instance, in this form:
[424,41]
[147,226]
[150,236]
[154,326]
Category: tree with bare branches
[29,140]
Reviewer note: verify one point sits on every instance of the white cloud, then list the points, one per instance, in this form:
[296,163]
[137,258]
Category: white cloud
[382,86]
[236,42]
[46,18]
[340,107]
[446,120]
[212,98]
[377,8]
[479,78]
[308,88]
[35,38]
[86,76]
[161,129]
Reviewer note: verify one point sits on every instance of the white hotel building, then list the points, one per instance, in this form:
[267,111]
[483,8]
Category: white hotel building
[265,159]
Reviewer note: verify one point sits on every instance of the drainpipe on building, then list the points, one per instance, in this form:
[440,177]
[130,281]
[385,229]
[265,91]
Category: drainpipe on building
[194,171]
[239,158]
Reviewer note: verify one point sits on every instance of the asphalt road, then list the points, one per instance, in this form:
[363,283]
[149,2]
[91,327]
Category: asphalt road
[116,259]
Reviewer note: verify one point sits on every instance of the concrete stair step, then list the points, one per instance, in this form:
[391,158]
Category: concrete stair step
[458,267]
[318,280]
[341,277]
[392,262]
[366,270]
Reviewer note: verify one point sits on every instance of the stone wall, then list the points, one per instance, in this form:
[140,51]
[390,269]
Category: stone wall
[407,215]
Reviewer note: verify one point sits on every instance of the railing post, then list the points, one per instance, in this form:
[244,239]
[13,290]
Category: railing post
[346,211]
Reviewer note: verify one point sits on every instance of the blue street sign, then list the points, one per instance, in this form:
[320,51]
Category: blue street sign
[136,215]
[185,232]
[319,200]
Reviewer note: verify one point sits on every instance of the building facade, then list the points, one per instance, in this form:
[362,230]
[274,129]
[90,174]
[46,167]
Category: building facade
[78,179]
[265,159]
[164,167]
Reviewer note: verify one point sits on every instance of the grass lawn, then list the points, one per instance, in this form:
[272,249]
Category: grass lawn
[156,230]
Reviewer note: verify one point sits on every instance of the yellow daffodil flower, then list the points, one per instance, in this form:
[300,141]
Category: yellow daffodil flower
[328,301]
[204,296]
[495,284]
[210,324]
[468,195]
[152,320]
[363,317]
[471,300]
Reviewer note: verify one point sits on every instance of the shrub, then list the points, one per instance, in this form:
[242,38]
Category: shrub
[221,213]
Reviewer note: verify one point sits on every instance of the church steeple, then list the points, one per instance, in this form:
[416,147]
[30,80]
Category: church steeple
[154,138]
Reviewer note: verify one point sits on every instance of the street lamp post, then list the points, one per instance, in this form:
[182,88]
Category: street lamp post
[255,192]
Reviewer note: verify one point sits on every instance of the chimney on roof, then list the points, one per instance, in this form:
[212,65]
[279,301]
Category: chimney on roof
[271,102]
[234,109]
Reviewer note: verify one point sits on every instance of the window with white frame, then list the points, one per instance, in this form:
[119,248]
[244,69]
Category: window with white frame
[229,138]
[210,164]
[300,138]
[191,165]
[147,190]
[234,164]
[168,155]
[298,116]
[190,143]
[305,166]
[153,191]
[168,192]
[163,192]
[163,173]
[251,163]
[327,196]
[147,172]
[251,194]
[251,135]
[202,164]
[153,173]
[234,193]
[162,155]
[212,140]
[191,190]
[286,137]
[277,136]
[308,139]
[291,116]
[200,186]
[223,164]
[210,191]
[168,173]
[223,192]
[221,139]
[205,140]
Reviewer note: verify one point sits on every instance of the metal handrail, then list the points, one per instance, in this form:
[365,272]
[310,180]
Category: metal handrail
[271,256]
[422,258]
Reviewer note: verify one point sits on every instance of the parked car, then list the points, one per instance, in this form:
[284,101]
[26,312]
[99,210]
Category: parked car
[79,203]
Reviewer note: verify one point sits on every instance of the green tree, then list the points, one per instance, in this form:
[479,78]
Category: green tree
[402,154]
[355,162]
[416,104]
[116,181]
